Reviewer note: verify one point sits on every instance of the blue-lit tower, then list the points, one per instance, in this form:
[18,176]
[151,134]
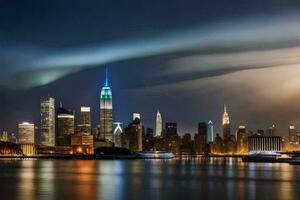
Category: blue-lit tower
[210,131]
[106,123]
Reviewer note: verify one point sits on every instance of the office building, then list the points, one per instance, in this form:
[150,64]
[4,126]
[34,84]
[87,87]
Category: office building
[134,135]
[84,124]
[26,133]
[82,143]
[241,140]
[65,126]
[200,139]
[170,129]
[47,120]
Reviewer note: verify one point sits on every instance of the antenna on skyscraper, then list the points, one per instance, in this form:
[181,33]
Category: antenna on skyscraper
[106,77]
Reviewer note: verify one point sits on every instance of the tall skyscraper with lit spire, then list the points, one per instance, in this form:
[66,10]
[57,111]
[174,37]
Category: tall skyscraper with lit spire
[106,122]
[158,125]
[225,123]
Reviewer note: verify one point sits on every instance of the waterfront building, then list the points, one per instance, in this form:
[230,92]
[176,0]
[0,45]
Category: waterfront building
[84,124]
[118,133]
[134,135]
[230,144]
[172,144]
[218,145]
[136,115]
[82,143]
[26,133]
[170,129]
[9,148]
[28,149]
[264,143]
[47,121]
[242,143]
[4,137]
[158,124]
[225,123]
[187,140]
[200,139]
[106,111]
[65,126]
[210,131]
[293,140]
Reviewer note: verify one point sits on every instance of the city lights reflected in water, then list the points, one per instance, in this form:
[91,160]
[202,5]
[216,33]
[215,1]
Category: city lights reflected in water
[191,178]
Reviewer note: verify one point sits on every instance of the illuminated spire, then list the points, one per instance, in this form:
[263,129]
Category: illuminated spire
[225,119]
[106,77]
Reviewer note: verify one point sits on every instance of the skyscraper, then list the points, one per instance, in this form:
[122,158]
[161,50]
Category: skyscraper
[65,126]
[200,138]
[293,139]
[158,125]
[106,123]
[170,129]
[210,131]
[134,133]
[26,133]
[47,117]
[84,125]
[225,124]
[241,139]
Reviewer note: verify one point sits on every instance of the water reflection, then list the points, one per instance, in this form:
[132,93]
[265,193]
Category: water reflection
[191,178]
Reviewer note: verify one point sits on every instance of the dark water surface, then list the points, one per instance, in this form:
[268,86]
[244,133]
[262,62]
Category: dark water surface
[214,178]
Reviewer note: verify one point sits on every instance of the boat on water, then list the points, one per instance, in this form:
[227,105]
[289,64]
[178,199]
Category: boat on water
[295,160]
[266,156]
[154,154]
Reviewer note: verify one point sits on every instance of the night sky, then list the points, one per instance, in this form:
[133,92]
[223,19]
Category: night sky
[186,58]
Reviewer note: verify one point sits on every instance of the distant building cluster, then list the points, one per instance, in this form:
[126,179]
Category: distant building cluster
[58,133]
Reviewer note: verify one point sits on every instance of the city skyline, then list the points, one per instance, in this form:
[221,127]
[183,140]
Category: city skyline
[224,118]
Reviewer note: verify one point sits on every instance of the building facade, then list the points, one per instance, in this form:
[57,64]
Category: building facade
[264,143]
[170,129]
[242,140]
[26,133]
[84,124]
[47,120]
[134,135]
[65,126]
[106,111]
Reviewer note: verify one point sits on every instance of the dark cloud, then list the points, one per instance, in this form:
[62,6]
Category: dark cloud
[158,53]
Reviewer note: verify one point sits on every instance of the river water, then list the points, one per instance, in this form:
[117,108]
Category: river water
[210,178]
